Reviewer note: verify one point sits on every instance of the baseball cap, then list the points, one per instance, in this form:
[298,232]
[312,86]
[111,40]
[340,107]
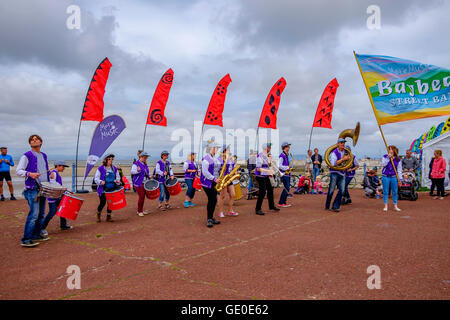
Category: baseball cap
[164,152]
[267,145]
[144,154]
[109,156]
[341,140]
[60,163]
[285,144]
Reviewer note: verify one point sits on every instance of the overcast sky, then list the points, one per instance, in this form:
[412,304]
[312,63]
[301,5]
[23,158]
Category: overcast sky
[45,68]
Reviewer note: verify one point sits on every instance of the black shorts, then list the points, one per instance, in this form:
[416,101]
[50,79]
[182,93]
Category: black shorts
[5,175]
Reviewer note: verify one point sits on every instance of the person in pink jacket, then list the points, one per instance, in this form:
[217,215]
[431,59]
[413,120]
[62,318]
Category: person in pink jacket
[438,173]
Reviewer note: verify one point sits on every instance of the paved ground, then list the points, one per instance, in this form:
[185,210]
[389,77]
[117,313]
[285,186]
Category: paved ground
[302,252]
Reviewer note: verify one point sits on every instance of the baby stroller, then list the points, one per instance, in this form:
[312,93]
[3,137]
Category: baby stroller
[407,190]
[254,191]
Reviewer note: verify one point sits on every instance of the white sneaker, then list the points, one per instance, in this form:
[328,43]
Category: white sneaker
[397,209]
[221,215]
[44,233]
[140,214]
[145,212]
[385,209]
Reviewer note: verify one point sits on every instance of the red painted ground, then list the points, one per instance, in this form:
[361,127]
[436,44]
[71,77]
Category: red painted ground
[302,252]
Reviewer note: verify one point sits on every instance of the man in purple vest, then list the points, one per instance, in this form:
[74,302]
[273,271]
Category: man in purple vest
[33,166]
[139,172]
[262,173]
[337,178]
[283,165]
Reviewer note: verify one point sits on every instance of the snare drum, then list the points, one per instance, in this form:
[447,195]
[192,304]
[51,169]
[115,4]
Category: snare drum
[173,186]
[69,206]
[116,199]
[52,190]
[151,188]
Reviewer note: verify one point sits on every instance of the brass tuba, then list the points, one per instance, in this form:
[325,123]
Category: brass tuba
[227,179]
[344,165]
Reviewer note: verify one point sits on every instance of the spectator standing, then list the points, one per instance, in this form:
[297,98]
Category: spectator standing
[308,163]
[409,162]
[316,159]
[438,173]
[6,162]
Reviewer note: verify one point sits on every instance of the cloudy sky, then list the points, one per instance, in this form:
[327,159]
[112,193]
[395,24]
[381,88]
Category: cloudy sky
[45,68]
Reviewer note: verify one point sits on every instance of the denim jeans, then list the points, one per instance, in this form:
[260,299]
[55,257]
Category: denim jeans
[32,228]
[286,180]
[163,191]
[346,193]
[190,192]
[250,183]
[335,180]
[316,172]
[52,207]
[390,183]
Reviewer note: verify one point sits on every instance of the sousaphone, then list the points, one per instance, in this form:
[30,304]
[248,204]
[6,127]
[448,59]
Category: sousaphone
[344,165]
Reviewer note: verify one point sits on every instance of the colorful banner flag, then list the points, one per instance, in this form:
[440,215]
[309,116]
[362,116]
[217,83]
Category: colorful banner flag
[93,105]
[324,110]
[213,115]
[104,135]
[404,90]
[157,107]
[268,118]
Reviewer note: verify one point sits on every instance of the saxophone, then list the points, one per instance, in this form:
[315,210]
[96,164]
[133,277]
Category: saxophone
[227,179]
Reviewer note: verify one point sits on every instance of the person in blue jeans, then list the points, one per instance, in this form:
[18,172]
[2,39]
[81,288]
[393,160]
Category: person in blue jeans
[190,172]
[389,176]
[33,166]
[283,165]
[337,178]
[349,175]
[162,170]
[54,203]
[316,159]
[251,165]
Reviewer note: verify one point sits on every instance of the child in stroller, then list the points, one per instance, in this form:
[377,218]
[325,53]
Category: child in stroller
[407,188]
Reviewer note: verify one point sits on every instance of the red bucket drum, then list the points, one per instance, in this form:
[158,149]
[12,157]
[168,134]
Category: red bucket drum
[69,206]
[116,199]
[151,188]
[173,186]
[197,184]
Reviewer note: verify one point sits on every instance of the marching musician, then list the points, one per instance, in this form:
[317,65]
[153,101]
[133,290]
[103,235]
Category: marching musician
[33,166]
[107,178]
[53,204]
[162,170]
[230,188]
[139,172]
[263,173]
[190,172]
[210,172]
[349,175]
[337,178]
[283,165]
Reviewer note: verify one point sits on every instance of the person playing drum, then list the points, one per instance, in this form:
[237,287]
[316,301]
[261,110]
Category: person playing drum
[54,203]
[190,172]
[107,178]
[139,172]
[33,166]
[162,170]
[230,188]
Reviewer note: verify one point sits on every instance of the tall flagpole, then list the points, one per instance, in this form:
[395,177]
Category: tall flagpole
[143,140]
[373,108]
[76,159]
[310,135]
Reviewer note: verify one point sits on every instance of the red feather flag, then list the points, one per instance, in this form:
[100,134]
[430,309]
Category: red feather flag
[268,117]
[157,107]
[216,104]
[325,108]
[93,105]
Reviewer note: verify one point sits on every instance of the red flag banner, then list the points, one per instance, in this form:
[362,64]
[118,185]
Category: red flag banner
[93,105]
[268,117]
[157,107]
[216,104]
[325,108]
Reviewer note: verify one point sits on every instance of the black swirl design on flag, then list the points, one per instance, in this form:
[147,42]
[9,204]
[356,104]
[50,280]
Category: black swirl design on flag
[156,116]
[167,78]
